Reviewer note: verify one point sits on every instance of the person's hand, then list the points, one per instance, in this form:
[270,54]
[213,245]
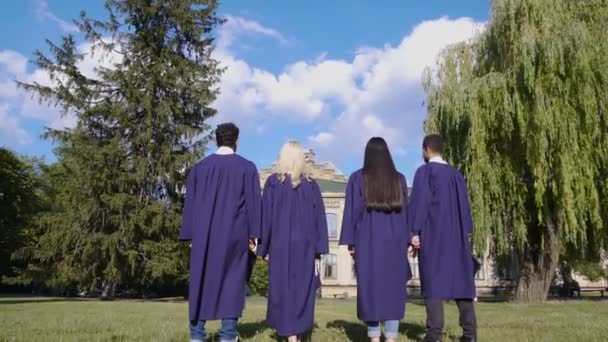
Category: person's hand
[252,245]
[413,252]
[416,242]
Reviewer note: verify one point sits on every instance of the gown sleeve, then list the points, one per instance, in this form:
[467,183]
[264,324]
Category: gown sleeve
[420,201]
[266,229]
[352,207]
[464,207]
[404,211]
[321,236]
[253,201]
[189,214]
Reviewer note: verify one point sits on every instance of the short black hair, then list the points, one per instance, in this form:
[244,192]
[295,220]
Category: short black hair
[226,134]
[433,142]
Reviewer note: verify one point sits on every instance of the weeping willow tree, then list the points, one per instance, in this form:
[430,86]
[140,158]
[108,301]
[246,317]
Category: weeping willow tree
[524,110]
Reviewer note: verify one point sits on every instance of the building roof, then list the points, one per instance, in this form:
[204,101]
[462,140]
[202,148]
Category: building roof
[331,186]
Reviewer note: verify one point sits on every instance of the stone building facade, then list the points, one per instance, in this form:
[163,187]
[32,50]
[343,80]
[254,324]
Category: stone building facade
[337,271]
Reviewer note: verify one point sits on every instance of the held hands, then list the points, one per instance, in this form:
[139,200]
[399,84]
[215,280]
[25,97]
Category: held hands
[416,242]
[252,245]
[414,246]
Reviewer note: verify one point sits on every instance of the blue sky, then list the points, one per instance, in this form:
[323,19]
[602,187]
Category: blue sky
[330,74]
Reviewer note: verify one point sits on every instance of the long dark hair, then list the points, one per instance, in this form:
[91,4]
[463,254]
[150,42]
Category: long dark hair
[382,183]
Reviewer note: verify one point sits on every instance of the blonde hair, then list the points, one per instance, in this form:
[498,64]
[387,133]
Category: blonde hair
[292,163]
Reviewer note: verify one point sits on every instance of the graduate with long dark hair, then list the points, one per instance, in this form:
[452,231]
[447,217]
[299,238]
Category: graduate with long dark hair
[375,229]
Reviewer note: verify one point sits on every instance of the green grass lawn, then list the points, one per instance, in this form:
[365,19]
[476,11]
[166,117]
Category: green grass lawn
[47,319]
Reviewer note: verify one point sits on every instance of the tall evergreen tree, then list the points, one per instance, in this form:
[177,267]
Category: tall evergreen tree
[141,123]
[21,198]
[524,108]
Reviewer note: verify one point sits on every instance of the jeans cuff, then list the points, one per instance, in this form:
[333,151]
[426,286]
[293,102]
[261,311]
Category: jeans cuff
[374,332]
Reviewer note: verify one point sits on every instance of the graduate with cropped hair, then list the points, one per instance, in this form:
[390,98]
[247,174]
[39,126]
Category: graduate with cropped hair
[221,219]
[440,220]
[375,229]
[294,236]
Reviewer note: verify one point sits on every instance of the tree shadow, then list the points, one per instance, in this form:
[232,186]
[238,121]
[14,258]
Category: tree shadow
[413,331]
[356,332]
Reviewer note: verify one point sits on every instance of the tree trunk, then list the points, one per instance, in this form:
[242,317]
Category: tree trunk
[538,264]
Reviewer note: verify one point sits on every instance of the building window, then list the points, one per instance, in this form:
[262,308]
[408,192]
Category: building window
[330,266]
[354,269]
[332,225]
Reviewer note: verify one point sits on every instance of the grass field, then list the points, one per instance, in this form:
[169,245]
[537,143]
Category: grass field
[48,319]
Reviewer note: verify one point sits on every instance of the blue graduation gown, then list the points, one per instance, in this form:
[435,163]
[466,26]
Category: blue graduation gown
[222,211]
[380,241]
[294,231]
[440,213]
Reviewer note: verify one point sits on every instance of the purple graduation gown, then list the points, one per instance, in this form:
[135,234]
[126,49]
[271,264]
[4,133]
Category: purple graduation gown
[294,231]
[380,241]
[440,213]
[221,213]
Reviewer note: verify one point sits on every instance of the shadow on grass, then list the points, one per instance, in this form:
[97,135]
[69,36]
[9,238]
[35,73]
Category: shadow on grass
[357,332]
[251,329]
[305,337]
[412,331]
[246,330]
[4,301]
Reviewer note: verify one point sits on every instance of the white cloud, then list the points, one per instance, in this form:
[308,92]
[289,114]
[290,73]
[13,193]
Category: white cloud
[26,105]
[43,13]
[322,138]
[344,102]
[378,92]
[236,26]
[10,130]
[13,62]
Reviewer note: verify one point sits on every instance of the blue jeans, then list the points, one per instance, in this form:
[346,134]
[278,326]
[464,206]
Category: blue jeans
[391,329]
[227,332]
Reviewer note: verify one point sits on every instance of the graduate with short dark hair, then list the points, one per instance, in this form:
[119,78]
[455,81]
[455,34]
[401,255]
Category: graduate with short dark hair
[221,219]
[294,236]
[375,229]
[440,220]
